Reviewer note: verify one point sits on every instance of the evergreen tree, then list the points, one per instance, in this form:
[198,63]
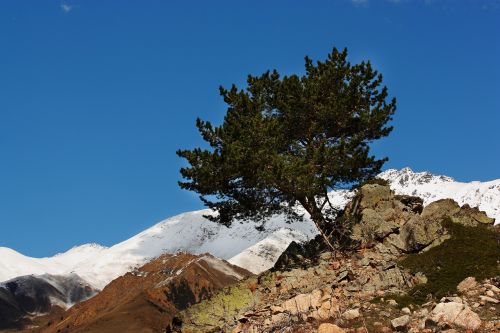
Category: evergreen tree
[287,141]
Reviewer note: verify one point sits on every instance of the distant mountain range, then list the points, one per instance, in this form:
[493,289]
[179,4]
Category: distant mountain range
[241,244]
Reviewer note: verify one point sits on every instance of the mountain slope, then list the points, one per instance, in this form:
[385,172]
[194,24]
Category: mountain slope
[146,299]
[34,295]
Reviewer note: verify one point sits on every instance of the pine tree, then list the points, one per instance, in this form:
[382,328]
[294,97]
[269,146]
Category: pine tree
[286,141]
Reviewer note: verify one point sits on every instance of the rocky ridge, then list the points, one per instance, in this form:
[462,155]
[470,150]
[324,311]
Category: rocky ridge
[365,290]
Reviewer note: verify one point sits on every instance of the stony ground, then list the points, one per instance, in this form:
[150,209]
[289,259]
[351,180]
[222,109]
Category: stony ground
[372,289]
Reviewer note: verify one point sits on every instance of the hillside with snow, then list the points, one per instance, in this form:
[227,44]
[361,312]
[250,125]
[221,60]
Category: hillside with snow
[241,244]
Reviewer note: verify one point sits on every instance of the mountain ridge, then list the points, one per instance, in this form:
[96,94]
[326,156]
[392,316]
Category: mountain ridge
[240,244]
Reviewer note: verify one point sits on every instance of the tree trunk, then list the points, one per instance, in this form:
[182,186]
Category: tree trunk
[317,218]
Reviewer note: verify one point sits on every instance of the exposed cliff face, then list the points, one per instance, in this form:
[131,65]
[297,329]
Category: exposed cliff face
[146,299]
[343,289]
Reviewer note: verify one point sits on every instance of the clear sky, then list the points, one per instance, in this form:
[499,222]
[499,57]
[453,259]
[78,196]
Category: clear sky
[96,96]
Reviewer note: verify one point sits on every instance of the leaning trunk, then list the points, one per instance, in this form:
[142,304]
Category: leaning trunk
[318,220]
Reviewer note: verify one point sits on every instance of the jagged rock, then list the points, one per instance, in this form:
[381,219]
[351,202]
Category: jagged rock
[400,322]
[471,216]
[351,314]
[440,209]
[373,226]
[420,232]
[330,328]
[371,195]
[415,204]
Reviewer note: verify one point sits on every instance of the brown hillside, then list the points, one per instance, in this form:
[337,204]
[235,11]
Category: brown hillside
[146,299]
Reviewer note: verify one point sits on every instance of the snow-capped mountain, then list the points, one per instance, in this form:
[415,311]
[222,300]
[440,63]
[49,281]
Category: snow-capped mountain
[241,244]
[13,264]
[484,195]
[32,295]
[188,232]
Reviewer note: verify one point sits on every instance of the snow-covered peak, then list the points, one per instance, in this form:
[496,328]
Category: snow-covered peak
[13,264]
[84,248]
[407,177]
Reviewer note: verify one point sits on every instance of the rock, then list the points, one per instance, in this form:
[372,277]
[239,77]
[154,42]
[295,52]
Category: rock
[420,232]
[489,299]
[439,209]
[467,284]
[316,298]
[472,217]
[419,278]
[492,288]
[276,309]
[415,204]
[468,319]
[277,318]
[451,299]
[372,194]
[446,312]
[351,314]
[329,328]
[374,226]
[406,310]
[400,323]
[298,304]
[490,293]
[392,302]
[457,314]
[335,265]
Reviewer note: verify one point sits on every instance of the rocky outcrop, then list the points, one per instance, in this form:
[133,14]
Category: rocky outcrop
[402,222]
[353,291]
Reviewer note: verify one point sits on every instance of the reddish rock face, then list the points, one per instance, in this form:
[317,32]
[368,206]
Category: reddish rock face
[147,299]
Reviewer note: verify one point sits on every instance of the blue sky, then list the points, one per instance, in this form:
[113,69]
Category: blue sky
[96,96]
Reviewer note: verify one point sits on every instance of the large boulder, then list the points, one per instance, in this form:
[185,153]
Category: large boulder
[456,313]
[471,216]
[373,226]
[440,209]
[421,232]
[465,215]
[378,213]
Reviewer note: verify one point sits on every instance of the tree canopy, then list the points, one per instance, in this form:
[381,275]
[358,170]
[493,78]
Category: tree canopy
[288,140]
